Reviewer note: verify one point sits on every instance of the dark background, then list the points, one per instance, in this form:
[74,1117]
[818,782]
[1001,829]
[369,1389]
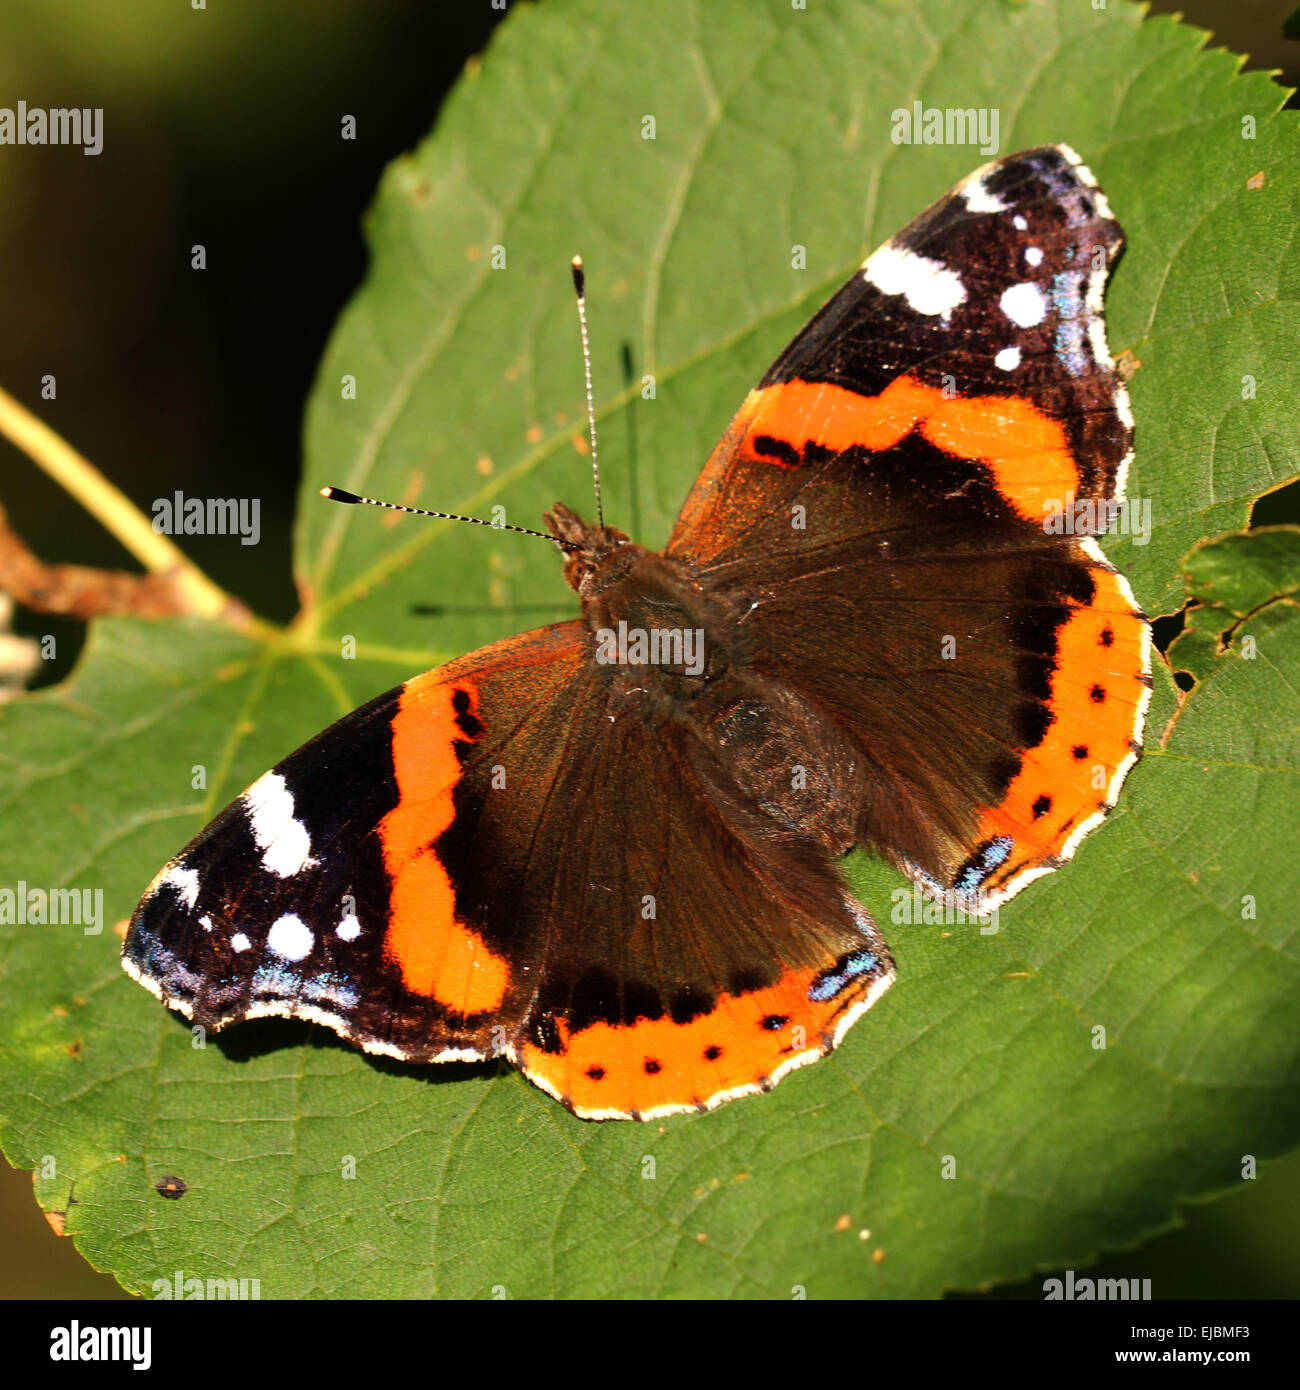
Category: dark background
[222,128]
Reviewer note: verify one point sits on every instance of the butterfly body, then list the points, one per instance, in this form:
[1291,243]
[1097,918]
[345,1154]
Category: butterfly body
[606,849]
[677,652]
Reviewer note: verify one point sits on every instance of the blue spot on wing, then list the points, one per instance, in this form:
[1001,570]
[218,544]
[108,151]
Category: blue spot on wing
[1072,314]
[831,982]
[981,864]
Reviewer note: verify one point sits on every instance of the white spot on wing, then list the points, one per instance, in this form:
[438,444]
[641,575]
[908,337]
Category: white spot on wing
[928,286]
[349,928]
[185,882]
[1019,223]
[1034,255]
[290,938]
[239,942]
[284,842]
[979,199]
[1008,359]
[1024,304]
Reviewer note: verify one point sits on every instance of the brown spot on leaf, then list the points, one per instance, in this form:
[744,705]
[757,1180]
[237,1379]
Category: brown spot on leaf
[1126,364]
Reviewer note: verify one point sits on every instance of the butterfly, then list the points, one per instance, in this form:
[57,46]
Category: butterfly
[606,849]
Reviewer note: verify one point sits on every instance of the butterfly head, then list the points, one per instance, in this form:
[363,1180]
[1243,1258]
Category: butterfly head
[588,549]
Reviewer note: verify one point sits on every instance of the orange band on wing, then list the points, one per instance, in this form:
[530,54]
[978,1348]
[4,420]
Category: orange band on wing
[657,1065]
[1098,696]
[1024,449]
[439,956]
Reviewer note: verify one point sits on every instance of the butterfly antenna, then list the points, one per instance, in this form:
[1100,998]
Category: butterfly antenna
[580,288]
[338,494]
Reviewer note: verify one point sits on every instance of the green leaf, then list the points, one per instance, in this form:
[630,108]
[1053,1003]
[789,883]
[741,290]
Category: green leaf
[1172,929]
[1229,578]
[1243,572]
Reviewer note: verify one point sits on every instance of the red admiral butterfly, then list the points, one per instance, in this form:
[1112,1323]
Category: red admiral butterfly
[606,849]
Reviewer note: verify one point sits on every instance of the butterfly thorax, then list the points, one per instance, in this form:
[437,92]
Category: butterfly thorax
[643,609]
[678,652]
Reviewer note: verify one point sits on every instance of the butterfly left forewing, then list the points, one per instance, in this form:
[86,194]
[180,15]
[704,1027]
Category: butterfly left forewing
[328,889]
